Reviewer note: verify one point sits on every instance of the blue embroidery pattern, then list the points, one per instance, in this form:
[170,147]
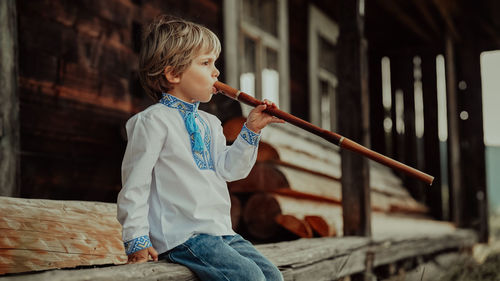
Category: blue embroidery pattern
[137,244]
[250,136]
[199,148]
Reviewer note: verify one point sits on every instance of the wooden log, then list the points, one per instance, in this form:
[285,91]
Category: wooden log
[262,209]
[320,226]
[45,234]
[262,177]
[259,214]
[232,128]
[299,182]
[295,225]
[309,166]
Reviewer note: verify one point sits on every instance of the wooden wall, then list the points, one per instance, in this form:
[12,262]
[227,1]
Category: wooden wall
[78,86]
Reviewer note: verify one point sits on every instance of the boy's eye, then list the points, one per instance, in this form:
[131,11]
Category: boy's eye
[205,63]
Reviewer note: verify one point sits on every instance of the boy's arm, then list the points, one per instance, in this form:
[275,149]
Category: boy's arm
[236,161]
[145,140]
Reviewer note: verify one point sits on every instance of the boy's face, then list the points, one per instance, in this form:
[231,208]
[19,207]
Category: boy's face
[197,81]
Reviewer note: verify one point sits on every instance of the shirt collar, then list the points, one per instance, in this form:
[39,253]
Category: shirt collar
[174,102]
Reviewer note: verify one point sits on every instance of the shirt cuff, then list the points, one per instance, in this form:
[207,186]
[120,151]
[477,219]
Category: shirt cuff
[137,244]
[249,136]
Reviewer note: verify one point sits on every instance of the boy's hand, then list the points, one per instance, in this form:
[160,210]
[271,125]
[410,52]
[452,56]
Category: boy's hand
[257,119]
[143,256]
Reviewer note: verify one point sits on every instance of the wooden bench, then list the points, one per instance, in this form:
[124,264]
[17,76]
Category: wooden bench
[84,239]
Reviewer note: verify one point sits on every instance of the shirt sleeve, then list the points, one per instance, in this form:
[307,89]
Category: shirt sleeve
[146,137]
[234,162]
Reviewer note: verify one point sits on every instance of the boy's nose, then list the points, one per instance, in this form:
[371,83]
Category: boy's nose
[216,72]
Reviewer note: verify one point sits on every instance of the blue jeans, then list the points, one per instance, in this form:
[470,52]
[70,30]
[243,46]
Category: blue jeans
[228,257]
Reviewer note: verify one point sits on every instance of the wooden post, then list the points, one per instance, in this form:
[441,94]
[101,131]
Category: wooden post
[466,150]
[470,123]
[353,118]
[454,170]
[9,101]
[432,157]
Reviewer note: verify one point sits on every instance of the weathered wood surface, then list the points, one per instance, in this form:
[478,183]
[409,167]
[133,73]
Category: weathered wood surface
[299,260]
[41,234]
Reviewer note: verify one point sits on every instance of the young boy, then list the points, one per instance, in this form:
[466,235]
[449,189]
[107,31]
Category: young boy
[174,198]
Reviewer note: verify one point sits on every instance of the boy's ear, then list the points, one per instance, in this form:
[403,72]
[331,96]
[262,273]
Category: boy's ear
[171,77]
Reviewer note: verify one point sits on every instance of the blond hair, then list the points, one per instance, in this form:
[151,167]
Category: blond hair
[171,42]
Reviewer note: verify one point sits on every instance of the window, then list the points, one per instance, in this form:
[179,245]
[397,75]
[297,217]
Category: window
[323,34]
[256,49]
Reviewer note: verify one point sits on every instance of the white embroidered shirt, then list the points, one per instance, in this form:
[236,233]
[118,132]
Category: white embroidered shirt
[170,190]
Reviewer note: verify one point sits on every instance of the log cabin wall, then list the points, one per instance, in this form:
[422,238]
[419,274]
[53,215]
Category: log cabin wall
[78,86]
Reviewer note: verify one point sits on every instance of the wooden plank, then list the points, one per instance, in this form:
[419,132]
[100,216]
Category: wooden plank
[407,247]
[353,97]
[304,252]
[321,258]
[145,272]
[9,101]
[332,269]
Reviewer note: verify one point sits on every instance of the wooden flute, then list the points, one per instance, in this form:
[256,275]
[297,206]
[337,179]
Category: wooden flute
[332,137]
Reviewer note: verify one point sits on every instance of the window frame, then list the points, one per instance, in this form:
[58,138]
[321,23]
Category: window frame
[236,28]
[320,25]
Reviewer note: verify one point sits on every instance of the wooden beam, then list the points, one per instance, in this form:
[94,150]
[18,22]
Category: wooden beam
[424,10]
[353,98]
[493,32]
[9,101]
[446,8]
[394,7]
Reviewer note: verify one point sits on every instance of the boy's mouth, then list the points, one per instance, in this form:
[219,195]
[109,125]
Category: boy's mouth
[214,90]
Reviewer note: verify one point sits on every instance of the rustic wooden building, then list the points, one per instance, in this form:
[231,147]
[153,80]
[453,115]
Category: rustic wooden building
[69,83]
